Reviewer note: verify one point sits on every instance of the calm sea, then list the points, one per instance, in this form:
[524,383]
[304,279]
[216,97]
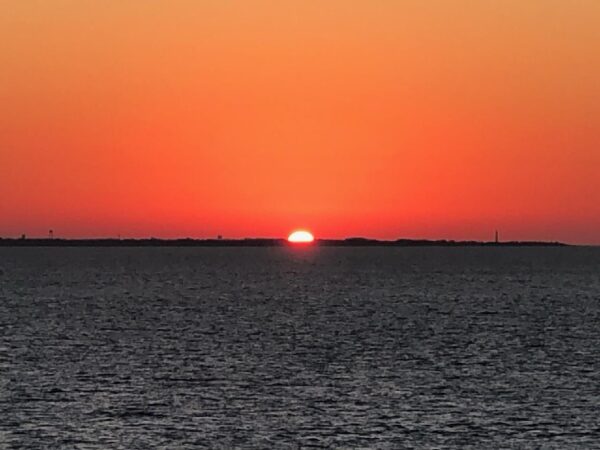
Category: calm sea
[139,348]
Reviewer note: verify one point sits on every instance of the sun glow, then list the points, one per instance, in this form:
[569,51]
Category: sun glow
[301,236]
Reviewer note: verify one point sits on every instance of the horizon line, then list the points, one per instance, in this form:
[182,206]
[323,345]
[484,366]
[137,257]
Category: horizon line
[268,241]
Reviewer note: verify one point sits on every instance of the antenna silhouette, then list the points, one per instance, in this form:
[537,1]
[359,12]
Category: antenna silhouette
[496,239]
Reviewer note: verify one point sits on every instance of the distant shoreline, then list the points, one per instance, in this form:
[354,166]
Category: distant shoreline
[264,242]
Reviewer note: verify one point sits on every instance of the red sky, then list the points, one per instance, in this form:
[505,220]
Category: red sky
[380,118]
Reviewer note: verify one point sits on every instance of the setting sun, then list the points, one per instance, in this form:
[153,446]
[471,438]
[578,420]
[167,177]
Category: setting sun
[301,236]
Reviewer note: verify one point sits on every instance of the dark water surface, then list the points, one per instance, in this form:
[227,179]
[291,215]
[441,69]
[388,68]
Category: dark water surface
[299,348]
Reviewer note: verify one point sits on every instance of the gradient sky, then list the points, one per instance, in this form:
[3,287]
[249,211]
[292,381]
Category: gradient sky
[381,118]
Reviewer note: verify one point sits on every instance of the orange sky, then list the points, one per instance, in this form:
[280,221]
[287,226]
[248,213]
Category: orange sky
[381,118]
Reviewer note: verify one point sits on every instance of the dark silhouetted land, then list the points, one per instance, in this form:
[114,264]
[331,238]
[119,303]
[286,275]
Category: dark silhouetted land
[262,242]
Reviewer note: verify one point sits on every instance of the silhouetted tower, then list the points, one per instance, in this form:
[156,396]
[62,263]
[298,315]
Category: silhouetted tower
[496,239]
[51,234]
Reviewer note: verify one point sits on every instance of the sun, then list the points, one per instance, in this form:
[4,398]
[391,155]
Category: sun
[301,237]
